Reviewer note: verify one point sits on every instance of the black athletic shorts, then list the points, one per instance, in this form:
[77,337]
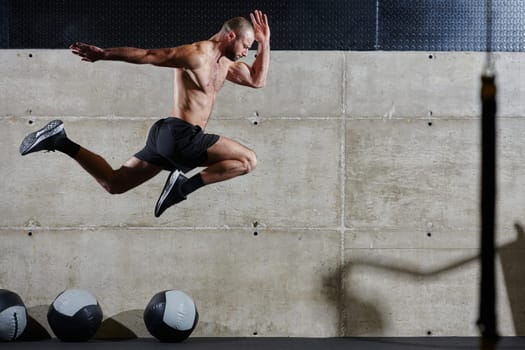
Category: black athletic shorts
[176,144]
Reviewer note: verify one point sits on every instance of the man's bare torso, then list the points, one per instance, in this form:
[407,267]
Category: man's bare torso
[195,90]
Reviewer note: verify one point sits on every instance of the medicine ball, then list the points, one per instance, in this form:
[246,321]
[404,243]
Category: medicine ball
[13,315]
[171,316]
[75,315]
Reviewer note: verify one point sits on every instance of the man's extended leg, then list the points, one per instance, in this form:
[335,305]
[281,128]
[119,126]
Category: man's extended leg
[226,159]
[53,137]
[131,174]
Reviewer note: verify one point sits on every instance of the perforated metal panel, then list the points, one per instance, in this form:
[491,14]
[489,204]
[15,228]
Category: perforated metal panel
[456,25]
[430,25]
[4,24]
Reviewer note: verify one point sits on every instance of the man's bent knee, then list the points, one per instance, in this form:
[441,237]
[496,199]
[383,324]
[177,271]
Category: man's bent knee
[113,187]
[250,161]
[116,183]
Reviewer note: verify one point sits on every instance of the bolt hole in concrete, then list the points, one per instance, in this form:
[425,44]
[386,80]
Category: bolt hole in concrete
[429,123]
[29,122]
[430,56]
[429,332]
[256,233]
[429,234]
[255,121]
[30,55]
[30,233]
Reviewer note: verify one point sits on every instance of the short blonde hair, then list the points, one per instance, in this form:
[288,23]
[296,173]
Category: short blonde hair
[238,25]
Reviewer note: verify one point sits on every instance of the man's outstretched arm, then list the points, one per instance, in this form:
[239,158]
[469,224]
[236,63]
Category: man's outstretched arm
[186,56]
[254,76]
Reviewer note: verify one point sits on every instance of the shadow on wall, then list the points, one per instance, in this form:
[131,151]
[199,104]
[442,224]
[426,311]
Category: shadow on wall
[512,258]
[118,327]
[36,318]
[366,317]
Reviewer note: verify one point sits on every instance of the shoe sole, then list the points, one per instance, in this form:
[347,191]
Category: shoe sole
[32,140]
[170,182]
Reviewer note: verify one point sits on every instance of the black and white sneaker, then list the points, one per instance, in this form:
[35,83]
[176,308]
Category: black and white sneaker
[43,139]
[172,193]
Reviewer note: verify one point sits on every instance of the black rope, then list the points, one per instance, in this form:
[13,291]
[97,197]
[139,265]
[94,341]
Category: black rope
[489,61]
[487,310]
[487,321]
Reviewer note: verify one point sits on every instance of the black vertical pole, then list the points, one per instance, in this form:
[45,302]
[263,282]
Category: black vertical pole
[487,298]
[487,307]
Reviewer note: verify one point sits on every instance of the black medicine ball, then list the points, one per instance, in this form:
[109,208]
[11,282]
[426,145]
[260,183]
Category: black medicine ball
[171,316]
[75,315]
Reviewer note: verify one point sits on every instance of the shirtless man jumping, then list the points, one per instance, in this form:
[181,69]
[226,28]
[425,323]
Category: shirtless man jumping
[177,143]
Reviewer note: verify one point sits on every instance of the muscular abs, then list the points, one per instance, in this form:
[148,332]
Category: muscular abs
[195,91]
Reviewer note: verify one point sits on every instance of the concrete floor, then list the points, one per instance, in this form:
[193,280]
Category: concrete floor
[385,343]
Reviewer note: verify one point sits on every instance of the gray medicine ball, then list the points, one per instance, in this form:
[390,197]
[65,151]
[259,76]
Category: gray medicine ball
[13,315]
[75,315]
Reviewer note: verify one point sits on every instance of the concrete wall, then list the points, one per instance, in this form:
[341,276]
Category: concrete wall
[362,217]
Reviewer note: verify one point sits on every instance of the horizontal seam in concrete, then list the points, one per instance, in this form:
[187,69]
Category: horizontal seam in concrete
[165,228]
[261,119]
[346,229]
[145,118]
[340,117]
[414,248]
